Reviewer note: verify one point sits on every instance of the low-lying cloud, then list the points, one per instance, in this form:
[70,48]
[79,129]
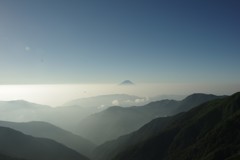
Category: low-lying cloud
[115,102]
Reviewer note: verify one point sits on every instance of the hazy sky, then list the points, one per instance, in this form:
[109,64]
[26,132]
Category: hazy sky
[100,41]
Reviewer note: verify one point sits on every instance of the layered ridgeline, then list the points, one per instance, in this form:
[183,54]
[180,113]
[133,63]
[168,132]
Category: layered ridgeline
[23,111]
[210,131]
[116,121]
[105,101]
[67,116]
[20,146]
[47,130]
[20,110]
[70,115]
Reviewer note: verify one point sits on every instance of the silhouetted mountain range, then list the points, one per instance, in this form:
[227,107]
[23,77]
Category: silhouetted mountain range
[162,97]
[116,121]
[69,116]
[47,130]
[16,144]
[210,131]
[207,128]
[194,100]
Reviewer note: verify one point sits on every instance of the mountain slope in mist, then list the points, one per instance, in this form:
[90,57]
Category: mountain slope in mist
[21,110]
[116,121]
[210,131]
[20,104]
[70,115]
[67,117]
[105,101]
[19,145]
[47,130]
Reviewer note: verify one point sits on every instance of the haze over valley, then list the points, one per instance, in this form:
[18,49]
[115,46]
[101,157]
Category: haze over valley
[42,94]
[119,80]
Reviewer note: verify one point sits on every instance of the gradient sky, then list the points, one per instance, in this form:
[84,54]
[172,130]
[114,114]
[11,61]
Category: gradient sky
[107,41]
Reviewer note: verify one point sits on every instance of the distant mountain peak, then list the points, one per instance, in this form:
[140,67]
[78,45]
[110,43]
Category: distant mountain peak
[127,82]
[199,96]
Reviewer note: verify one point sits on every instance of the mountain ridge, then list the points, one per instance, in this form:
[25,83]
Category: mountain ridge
[116,121]
[50,131]
[104,100]
[19,145]
[209,131]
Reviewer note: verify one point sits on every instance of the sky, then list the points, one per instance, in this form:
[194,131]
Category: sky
[108,41]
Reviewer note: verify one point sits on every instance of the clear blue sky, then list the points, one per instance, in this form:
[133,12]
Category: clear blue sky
[100,41]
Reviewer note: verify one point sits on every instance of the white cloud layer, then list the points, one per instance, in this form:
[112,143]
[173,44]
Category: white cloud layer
[115,102]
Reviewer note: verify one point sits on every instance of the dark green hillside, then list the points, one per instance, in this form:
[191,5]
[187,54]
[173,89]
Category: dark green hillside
[210,132]
[117,121]
[47,130]
[110,149]
[19,145]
